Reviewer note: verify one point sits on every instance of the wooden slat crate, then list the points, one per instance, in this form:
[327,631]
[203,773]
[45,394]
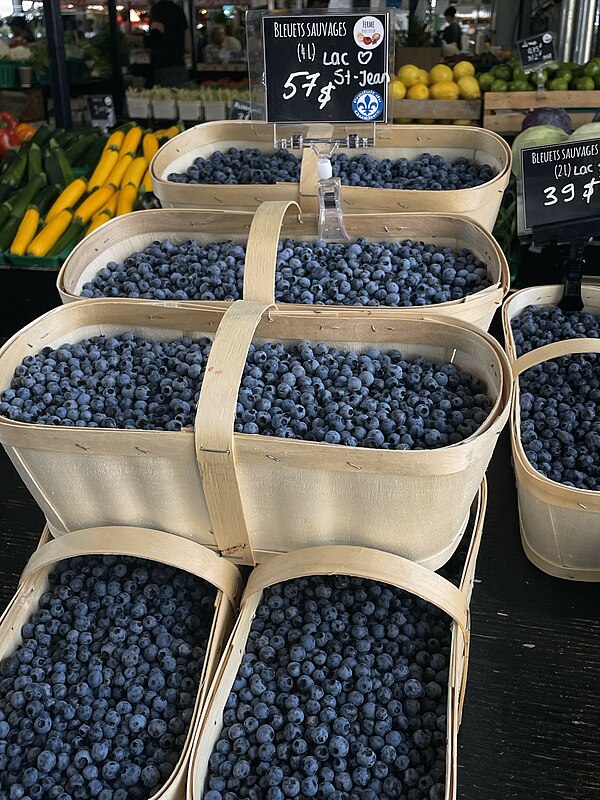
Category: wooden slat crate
[156,546]
[503,112]
[559,524]
[437,109]
[120,237]
[359,562]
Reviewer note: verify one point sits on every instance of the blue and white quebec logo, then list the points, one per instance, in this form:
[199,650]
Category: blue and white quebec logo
[367,105]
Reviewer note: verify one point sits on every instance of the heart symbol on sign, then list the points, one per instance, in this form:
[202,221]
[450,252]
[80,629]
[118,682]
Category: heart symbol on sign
[365,56]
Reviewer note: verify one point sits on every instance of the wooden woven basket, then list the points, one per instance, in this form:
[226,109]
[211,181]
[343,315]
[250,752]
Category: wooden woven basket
[541,296]
[365,563]
[153,545]
[560,525]
[252,496]
[480,204]
[122,236]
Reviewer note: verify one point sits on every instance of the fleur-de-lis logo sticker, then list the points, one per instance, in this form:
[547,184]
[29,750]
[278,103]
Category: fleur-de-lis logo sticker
[367,105]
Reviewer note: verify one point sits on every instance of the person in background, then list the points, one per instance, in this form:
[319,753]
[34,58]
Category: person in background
[169,40]
[222,48]
[22,33]
[452,35]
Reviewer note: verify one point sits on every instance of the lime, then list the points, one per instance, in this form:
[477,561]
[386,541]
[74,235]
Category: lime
[584,84]
[503,72]
[519,74]
[499,86]
[485,81]
[566,73]
[519,86]
[558,85]
[597,82]
[576,69]
[591,69]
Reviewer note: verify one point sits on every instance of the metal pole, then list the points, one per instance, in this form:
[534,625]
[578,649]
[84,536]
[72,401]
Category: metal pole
[59,80]
[115,56]
[525,20]
[567,29]
[584,36]
[192,24]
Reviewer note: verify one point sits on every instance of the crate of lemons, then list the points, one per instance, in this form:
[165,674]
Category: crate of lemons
[441,82]
[55,222]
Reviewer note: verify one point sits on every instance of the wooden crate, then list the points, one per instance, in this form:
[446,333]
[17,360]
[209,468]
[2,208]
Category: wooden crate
[437,109]
[359,562]
[252,496]
[156,546]
[559,524]
[480,204]
[122,236]
[504,112]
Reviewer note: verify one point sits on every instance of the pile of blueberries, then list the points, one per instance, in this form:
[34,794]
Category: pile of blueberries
[110,382]
[169,270]
[537,326]
[560,399]
[373,399]
[429,172]
[97,700]
[251,166]
[241,167]
[361,273]
[312,392]
[341,694]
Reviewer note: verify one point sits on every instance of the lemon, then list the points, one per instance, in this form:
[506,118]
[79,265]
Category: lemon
[418,92]
[424,77]
[463,69]
[398,90]
[444,90]
[462,122]
[440,73]
[409,75]
[468,88]
[426,121]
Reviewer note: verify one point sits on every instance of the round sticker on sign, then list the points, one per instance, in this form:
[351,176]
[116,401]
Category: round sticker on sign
[367,105]
[368,33]
[547,38]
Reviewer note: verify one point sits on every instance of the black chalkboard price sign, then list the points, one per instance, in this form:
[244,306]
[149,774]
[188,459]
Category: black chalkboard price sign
[326,68]
[536,52]
[102,110]
[561,184]
[239,109]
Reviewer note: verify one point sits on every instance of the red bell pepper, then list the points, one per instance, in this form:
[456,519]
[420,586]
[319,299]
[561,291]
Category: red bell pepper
[7,121]
[8,139]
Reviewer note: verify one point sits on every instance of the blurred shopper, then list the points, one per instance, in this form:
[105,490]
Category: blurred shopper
[169,41]
[222,48]
[451,35]
[22,33]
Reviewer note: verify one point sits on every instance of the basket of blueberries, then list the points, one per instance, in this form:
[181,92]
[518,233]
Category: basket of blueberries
[107,657]
[555,428]
[283,432]
[411,168]
[445,264]
[344,677]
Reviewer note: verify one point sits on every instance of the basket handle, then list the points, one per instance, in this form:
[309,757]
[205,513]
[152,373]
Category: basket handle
[261,253]
[554,350]
[159,546]
[213,429]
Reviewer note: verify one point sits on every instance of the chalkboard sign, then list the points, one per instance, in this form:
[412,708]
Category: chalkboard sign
[102,110]
[326,68]
[239,109]
[561,184]
[536,52]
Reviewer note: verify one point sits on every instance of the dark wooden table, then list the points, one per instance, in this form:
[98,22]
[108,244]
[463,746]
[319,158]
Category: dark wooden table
[532,715]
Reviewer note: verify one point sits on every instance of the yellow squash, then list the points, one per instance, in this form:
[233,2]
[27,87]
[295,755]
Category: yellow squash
[118,172]
[115,141]
[127,198]
[26,231]
[50,234]
[68,198]
[147,182]
[135,173]
[106,213]
[92,204]
[149,146]
[103,169]
[131,142]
